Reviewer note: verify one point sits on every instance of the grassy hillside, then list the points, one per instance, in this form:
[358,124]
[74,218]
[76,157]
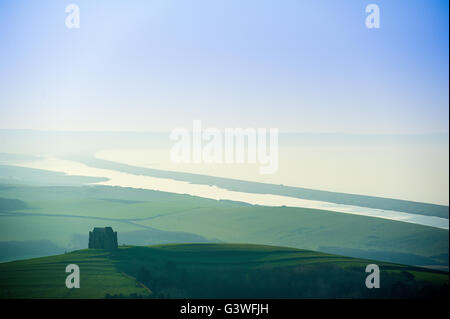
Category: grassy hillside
[213,271]
[45,277]
[62,213]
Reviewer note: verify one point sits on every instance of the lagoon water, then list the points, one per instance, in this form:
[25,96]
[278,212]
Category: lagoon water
[117,178]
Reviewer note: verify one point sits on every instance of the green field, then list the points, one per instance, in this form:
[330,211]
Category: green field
[45,277]
[213,271]
[65,214]
[46,213]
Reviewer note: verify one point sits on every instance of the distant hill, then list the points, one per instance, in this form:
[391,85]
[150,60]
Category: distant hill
[214,271]
[11,250]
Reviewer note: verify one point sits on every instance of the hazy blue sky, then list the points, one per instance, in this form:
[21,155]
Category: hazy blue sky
[155,65]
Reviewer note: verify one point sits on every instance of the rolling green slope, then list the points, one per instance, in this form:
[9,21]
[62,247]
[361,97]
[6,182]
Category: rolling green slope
[45,277]
[213,271]
[61,213]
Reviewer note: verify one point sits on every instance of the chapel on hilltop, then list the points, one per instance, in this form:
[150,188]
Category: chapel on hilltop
[103,238]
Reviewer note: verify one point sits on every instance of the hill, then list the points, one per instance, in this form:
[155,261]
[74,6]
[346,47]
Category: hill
[65,214]
[213,271]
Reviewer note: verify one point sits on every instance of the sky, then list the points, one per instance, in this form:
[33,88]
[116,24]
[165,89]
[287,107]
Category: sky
[301,66]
